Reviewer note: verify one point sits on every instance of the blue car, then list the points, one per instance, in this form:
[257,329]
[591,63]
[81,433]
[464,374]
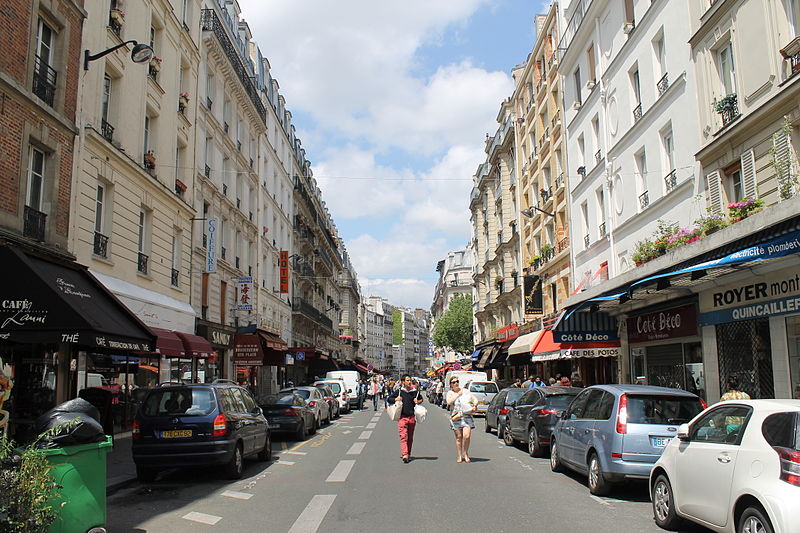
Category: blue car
[613,433]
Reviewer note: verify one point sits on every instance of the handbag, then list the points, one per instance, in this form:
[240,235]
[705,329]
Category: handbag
[395,410]
[420,412]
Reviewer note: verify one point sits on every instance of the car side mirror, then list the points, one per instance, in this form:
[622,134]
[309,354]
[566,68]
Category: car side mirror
[683,433]
[513,404]
[560,414]
[257,411]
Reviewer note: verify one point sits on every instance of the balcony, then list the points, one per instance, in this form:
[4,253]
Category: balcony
[225,189]
[637,113]
[663,85]
[305,308]
[728,108]
[238,203]
[671,181]
[598,156]
[586,241]
[225,127]
[602,230]
[207,172]
[302,268]
[34,223]
[239,146]
[499,238]
[236,262]
[209,103]
[142,263]
[562,245]
[175,277]
[44,81]
[546,194]
[100,245]
[560,181]
[211,22]
[114,26]
[222,252]
[644,200]
[106,130]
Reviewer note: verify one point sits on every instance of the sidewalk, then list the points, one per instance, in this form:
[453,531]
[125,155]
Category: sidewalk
[120,468]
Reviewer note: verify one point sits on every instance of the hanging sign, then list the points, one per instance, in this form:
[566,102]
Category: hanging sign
[284,272]
[244,294]
[211,245]
[667,324]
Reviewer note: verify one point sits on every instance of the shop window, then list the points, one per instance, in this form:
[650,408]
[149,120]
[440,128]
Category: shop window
[678,366]
[744,351]
[793,333]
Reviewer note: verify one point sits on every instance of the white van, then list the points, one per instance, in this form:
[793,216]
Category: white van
[464,378]
[350,378]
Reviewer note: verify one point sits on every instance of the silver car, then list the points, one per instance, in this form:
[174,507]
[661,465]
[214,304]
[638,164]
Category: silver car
[616,432]
[316,400]
[484,392]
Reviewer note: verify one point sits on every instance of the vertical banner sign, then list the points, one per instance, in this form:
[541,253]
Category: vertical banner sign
[533,295]
[244,294]
[211,245]
[284,271]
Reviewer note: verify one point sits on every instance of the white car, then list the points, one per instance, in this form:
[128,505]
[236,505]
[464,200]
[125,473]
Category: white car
[735,468]
[337,386]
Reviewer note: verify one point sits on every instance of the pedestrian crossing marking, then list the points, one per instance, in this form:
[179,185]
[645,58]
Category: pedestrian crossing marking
[287,463]
[312,516]
[371,425]
[356,448]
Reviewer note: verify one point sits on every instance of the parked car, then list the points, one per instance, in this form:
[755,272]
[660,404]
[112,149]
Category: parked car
[498,408]
[617,432]
[330,397]
[314,397]
[734,468]
[338,388]
[532,419]
[484,392]
[351,380]
[289,413]
[198,425]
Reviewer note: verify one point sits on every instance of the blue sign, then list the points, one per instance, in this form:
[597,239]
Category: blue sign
[585,336]
[300,356]
[783,306]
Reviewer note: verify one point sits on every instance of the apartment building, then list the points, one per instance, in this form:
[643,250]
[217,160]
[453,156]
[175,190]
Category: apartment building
[349,324]
[455,277]
[541,158]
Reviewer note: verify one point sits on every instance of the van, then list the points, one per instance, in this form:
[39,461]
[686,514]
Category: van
[350,378]
[464,378]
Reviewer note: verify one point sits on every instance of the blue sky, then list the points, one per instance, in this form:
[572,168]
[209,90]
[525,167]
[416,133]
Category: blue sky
[392,101]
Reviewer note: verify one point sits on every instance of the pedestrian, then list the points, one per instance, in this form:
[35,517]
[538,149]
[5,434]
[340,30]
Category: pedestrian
[461,421]
[537,383]
[410,396]
[388,391]
[374,392]
[517,383]
[362,393]
[565,382]
[551,382]
[733,392]
[439,391]
[527,383]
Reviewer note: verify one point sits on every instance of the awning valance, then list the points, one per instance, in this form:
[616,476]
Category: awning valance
[168,343]
[195,346]
[46,302]
[272,341]
[525,343]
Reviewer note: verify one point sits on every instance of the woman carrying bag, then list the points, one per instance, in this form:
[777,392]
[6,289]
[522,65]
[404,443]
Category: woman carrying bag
[461,421]
[405,399]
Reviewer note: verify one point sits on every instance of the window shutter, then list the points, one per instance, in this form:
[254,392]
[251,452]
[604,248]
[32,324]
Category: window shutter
[714,194]
[783,163]
[749,186]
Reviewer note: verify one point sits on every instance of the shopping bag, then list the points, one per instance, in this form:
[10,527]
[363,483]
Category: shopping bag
[420,413]
[395,410]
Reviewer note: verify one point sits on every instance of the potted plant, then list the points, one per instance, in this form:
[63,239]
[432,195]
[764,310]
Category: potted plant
[180,187]
[183,99]
[546,251]
[710,223]
[118,16]
[726,104]
[150,160]
[498,281]
[514,273]
[738,211]
[155,63]
[644,251]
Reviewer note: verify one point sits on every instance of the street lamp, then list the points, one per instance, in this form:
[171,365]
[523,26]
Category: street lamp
[141,53]
[530,212]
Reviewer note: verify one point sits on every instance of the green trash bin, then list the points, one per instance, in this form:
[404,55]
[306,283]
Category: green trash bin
[81,471]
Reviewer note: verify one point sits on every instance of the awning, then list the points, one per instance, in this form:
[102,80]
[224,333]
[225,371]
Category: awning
[46,302]
[194,345]
[247,350]
[168,343]
[486,354]
[525,343]
[476,355]
[308,352]
[272,341]
[548,350]
[501,357]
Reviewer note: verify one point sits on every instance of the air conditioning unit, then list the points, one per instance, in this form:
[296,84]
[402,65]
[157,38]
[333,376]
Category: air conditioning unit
[628,27]
[591,84]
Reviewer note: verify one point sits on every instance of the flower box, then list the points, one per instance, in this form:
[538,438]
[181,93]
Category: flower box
[118,16]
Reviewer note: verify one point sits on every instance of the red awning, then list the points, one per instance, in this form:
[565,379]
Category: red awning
[195,346]
[168,343]
[546,343]
[272,341]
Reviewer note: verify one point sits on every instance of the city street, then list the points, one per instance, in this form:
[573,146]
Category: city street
[349,477]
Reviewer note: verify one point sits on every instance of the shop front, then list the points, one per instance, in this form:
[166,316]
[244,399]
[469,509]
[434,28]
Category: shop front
[666,349]
[61,331]
[220,338]
[586,358]
[260,361]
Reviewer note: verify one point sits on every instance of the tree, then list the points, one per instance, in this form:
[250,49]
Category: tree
[397,327]
[454,328]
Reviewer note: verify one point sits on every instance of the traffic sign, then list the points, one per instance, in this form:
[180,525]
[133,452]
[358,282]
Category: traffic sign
[456,367]
[370,368]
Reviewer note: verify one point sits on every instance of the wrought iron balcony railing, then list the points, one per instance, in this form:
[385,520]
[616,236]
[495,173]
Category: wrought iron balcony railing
[602,229]
[637,113]
[100,245]
[562,245]
[44,81]
[176,274]
[207,171]
[560,181]
[586,241]
[663,84]
[34,223]
[107,130]
[142,263]
[671,180]
[222,252]
[644,200]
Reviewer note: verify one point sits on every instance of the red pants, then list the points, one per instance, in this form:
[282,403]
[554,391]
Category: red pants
[405,427]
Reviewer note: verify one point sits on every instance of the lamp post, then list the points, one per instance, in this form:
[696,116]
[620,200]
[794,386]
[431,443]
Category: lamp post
[529,212]
[141,53]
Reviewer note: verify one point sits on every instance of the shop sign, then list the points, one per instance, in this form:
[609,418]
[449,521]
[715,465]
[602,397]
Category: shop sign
[508,333]
[534,297]
[783,306]
[218,337]
[244,294]
[300,356]
[289,359]
[574,353]
[780,284]
[211,245]
[283,267]
[247,351]
[585,336]
[667,324]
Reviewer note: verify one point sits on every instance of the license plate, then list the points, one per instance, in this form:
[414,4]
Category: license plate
[660,442]
[481,403]
[176,433]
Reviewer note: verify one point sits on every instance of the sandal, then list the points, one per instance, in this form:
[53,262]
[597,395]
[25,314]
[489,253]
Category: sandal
[467,460]
[458,460]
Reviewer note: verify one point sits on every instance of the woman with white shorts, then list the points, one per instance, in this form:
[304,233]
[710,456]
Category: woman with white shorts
[463,405]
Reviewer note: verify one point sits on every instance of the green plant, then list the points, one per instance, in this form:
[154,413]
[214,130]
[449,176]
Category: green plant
[725,104]
[740,210]
[644,251]
[546,250]
[27,485]
[785,171]
[708,224]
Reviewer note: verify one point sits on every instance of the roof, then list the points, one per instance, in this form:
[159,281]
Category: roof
[643,389]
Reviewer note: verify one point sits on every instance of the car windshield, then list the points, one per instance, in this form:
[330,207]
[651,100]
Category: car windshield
[179,401]
[323,389]
[304,394]
[334,387]
[514,394]
[658,409]
[483,387]
[559,401]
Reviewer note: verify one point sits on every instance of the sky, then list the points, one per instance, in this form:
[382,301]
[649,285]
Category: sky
[392,101]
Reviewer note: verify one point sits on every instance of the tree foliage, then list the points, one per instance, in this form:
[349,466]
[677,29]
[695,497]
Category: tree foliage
[454,328]
[397,327]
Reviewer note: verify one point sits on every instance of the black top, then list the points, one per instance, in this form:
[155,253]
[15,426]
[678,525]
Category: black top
[408,400]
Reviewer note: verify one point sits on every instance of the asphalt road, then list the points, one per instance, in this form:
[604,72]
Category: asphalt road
[349,478]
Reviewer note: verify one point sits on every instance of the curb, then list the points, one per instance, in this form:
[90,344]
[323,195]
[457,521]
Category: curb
[119,482]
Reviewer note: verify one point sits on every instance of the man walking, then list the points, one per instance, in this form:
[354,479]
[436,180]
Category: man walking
[374,392]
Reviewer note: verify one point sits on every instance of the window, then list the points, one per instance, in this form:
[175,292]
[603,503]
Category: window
[578,405]
[641,170]
[105,103]
[724,425]
[732,183]
[660,53]
[142,230]
[582,150]
[98,213]
[585,221]
[596,135]
[727,71]
[630,16]
[186,13]
[35,179]
[176,256]
[668,145]
[577,78]
[793,334]
[147,126]
[601,209]
[636,87]
[793,8]
[44,75]
[591,61]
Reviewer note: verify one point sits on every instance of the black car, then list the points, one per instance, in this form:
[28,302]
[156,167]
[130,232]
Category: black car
[497,412]
[330,398]
[198,425]
[288,412]
[532,419]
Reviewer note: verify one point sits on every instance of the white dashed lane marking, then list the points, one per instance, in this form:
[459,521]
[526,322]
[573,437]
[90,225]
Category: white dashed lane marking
[296,453]
[356,448]
[371,425]
[342,470]
[346,432]
[202,518]
[286,463]
[312,516]
[365,435]
[237,495]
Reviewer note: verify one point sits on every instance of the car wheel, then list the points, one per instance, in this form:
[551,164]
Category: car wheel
[534,448]
[508,438]
[664,505]
[266,453]
[235,467]
[145,474]
[300,434]
[598,485]
[754,520]
[555,460]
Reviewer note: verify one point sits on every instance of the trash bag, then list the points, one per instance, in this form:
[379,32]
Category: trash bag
[102,399]
[85,428]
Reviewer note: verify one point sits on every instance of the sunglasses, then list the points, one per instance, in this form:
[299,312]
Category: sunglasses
[454,383]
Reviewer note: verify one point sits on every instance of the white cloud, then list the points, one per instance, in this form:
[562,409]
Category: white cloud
[404,255]
[400,291]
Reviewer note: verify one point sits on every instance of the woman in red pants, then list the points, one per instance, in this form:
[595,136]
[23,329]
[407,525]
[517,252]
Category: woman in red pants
[410,396]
